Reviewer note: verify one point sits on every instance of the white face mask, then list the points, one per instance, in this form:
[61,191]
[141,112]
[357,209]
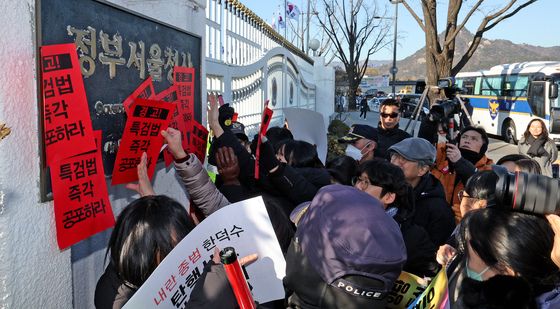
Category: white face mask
[353,152]
[442,139]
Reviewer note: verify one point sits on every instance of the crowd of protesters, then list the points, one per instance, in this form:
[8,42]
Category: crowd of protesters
[393,203]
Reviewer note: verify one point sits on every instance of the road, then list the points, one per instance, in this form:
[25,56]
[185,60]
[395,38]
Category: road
[496,149]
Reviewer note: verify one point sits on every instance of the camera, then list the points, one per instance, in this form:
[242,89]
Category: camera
[527,192]
[445,109]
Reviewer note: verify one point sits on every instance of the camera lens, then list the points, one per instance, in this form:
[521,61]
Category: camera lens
[528,192]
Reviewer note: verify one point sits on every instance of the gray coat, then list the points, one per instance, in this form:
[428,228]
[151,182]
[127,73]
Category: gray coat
[202,190]
[546,161]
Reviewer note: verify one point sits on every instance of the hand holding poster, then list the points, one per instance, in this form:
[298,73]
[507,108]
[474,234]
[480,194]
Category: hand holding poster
[141,134]
[68,130]
[244,226]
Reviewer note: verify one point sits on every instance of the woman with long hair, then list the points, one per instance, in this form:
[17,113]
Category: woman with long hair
[536,144]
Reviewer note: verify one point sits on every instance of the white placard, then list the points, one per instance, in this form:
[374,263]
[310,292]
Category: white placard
[249,230]
[307,125]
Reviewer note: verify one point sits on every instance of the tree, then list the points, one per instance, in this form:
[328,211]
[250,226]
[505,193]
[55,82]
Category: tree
[355,33]
[440,51]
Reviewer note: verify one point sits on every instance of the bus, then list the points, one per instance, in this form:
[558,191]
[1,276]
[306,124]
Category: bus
[506,97]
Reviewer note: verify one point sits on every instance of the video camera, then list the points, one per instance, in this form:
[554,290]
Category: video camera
[442,110]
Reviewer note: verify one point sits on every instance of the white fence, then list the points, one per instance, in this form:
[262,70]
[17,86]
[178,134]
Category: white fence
[248,63]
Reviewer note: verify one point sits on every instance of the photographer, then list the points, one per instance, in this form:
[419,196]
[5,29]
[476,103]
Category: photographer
[456,162]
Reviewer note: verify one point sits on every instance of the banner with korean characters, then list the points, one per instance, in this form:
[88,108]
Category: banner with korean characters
[141,134]
[67,124]
[406,290]
[244,226]
[436,295]
[81,200]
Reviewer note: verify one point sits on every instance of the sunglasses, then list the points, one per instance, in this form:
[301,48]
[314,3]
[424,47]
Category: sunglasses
[391,115]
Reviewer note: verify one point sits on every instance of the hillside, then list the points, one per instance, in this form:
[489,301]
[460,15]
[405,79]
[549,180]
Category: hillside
[488,54]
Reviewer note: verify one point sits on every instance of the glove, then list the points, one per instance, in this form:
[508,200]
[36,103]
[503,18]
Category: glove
[225,115]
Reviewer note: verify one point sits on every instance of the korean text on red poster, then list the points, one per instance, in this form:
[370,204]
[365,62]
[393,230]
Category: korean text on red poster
[197,140]
[67,122]
[141,134]
[183,78]
[81,200]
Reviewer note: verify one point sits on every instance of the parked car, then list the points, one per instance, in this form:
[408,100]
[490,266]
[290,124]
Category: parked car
[375,102]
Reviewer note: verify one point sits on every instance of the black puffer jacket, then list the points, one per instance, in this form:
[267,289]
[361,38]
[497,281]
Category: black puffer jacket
[420,251]
[386,139]
[432,211]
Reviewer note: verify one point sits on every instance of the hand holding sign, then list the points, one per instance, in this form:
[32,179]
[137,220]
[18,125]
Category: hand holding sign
[144,185]
[173,139]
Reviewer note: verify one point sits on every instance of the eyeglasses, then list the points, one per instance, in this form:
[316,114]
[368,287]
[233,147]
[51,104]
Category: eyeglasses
[391,115]
[462,194]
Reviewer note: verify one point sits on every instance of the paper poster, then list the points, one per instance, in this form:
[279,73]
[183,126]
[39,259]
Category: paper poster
[307,125]
[81,200]
[265,121]
[244,226]
[144,91]
[436,295]
[141,134]
[405,291]
[197,140]
[67,122]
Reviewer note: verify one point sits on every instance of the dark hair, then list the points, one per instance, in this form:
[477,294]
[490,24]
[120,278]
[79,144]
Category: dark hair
[543,126]
[277,136]
[301,154]
[145,232]
[391,179]
[389,102]
[529,166]
[342,169]
[511,158]
[482,186]
[520,241]
[480,131]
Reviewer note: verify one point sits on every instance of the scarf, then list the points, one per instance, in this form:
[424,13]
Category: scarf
[537,146]
[471,156]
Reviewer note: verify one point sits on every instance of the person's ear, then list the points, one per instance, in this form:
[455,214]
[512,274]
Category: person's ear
[388,198]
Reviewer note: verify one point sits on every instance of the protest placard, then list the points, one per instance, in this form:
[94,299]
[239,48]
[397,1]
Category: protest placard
[144,91]
[244,226]
[81,200]
[436,295]
[141,134]
[265,121]
[307,125]
[67,123]
[406,290]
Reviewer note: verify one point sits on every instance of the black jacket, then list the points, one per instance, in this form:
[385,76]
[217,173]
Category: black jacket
[432,211]
[111,292]
[386,139]
[420,251]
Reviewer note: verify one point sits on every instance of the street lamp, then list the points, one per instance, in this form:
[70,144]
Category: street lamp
[394,68]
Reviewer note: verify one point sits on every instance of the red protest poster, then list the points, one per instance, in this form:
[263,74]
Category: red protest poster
[81,200]
[266,117]
[184,81]
[67,122]
[141,134]
[170,95]
[144,91]
[197,140]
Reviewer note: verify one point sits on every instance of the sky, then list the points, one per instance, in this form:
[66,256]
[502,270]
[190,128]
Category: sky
[534,25]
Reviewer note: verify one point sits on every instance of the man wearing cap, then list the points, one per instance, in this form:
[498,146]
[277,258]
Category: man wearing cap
[388,128]
[347,252]
[362,141]
[415,156]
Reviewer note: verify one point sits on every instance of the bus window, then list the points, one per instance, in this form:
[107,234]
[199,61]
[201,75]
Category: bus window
[477,85]
[515,86]
[536,100]
[491,86]
[555,103]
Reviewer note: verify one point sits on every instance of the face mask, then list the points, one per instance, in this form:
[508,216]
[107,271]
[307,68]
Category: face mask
[353,152]
[474,275]
[442,139]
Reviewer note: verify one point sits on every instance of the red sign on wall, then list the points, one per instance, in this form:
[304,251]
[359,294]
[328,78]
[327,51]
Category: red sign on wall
[197,140]
[67,122]
[81,200]
[144,91]
[146,120]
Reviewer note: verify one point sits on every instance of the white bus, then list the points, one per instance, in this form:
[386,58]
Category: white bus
[506,97]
